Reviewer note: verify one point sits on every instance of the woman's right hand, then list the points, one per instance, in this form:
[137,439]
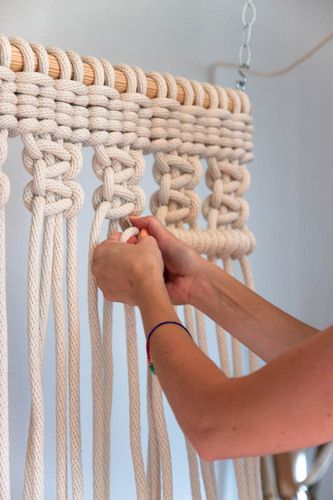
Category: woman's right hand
[182,264]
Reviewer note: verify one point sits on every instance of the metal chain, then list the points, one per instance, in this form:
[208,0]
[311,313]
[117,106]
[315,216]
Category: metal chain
[249,15]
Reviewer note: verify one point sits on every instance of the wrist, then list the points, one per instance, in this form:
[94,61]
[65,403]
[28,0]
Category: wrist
[155,305]
[201,289]
[151,290]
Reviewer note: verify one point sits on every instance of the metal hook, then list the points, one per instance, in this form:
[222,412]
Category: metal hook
[241,84]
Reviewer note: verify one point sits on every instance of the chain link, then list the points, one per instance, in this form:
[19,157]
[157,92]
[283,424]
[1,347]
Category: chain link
[249,15]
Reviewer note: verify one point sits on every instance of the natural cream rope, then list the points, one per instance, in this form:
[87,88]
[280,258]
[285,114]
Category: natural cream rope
[51,196]
[176,204]
[119,196]
[225,211]
[7,123]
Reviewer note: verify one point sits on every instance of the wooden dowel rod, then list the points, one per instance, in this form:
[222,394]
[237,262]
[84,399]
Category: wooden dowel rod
[120,84]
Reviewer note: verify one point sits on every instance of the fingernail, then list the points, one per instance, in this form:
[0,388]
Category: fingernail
[143,233]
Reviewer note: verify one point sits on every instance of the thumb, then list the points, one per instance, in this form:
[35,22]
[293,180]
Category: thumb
[143,233]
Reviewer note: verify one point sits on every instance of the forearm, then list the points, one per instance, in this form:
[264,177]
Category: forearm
[188,378]
[255,322]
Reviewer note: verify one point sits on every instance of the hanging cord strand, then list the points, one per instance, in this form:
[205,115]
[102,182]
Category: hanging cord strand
[36,163]
[208,469]
[134,395]
[4,424]
[153,460]
[69,194]
[191,454]
[279,71]
[61,358]
[97,361]
[218,210]
[240,464]
[7,87]
[74,360]
[32,152]
[107,338]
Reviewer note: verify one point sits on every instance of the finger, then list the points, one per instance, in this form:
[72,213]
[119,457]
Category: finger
[148,241]
[143,233]
[152,225]
[132,240]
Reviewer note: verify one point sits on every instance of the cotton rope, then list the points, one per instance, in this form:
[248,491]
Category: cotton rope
[119,196]
[51,196]
[280,71]
[225,209]
[7,123]
[167,171]
[55,119]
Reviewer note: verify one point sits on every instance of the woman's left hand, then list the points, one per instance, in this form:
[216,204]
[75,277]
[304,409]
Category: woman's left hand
[123,270]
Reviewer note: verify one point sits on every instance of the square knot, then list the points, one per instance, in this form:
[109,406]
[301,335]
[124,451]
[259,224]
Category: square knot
[182,207]
[60,197]
[124,201]
[177,176]
[231,211]
[128,164]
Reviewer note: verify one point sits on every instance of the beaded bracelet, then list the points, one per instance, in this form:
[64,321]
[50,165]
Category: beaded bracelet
[150,363]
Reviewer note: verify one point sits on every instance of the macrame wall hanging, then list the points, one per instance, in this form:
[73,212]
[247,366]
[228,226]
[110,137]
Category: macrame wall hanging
[58,103]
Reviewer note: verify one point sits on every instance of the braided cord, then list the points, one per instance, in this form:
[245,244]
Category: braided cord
[7,122]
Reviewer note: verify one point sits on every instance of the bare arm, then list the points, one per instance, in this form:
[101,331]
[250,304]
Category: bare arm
[286,405]
[261,326]
[264,328]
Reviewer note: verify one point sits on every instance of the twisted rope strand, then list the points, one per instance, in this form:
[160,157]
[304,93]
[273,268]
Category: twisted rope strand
[97,361]
[134,404]
[162,439]
[61,360]
[191,455]
[34,477]
[4,423]
[74,360]
[254,365]
[153,461]
[7,123]
[107,387]
[208,470]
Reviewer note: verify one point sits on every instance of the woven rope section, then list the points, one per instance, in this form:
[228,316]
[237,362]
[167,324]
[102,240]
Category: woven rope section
[178,135]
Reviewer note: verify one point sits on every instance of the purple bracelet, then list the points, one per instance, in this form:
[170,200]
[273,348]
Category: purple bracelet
[150,363]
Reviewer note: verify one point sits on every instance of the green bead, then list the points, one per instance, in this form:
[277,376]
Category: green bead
[152,368]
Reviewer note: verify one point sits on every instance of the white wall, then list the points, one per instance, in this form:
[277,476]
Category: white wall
[292,175]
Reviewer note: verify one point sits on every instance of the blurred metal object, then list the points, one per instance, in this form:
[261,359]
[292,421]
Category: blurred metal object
[249,16]
[319,467]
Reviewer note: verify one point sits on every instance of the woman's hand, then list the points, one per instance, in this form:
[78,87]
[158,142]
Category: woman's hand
[123,270]
[181,263]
